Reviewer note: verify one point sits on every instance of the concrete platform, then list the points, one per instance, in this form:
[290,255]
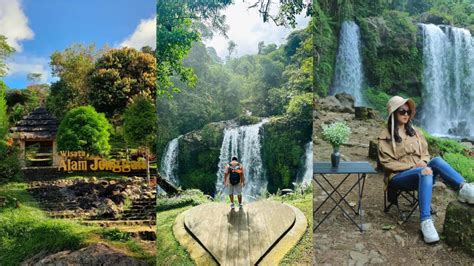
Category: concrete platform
[261,232]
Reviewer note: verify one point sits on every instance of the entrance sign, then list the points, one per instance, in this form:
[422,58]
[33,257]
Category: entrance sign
[75,161]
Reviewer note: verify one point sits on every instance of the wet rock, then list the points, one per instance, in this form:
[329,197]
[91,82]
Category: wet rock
[364,113]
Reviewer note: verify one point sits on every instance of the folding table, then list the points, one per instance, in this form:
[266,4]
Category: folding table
[324,169]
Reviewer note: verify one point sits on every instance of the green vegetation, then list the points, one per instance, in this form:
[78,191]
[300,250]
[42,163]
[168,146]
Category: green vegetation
[83,129]
[302,253]
[283,148]
[5,51]
[118,76]
[190,197]
[169,249]
[454,153]
[464,165]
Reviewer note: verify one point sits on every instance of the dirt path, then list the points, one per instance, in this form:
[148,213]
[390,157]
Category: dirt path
[337,241]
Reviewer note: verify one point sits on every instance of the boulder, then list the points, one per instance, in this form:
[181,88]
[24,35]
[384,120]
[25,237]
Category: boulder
[97,254]
[347,102]
[329,103]
[364,113]
[107,208]
[459,226]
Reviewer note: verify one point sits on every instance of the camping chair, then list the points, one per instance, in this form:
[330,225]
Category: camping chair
[392,196]
[410,198]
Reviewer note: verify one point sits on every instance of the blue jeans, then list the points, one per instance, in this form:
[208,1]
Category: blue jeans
[413,179]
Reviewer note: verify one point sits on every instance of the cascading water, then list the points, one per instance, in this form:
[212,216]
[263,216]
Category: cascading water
[244,143]
[306,175]
[348,72]
[448,80]
[169,162]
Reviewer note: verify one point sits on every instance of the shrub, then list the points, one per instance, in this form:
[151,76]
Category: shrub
[189,197]
[440,146]
[115,235]
[10,168]
[464,165]
[301,106]
[83,129]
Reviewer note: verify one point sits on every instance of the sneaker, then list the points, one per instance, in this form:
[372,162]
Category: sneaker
[241,205]
[232,205]
[429,231]
[466,193]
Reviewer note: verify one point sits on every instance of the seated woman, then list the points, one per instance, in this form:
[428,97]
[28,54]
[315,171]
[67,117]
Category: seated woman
[403,152]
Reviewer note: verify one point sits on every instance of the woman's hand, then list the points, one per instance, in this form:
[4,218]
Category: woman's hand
[427,171]
[421,164]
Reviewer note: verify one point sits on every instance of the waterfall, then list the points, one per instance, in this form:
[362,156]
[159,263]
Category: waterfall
[448,80]
[169,162]
[306,174]
[348,72]
[243,142]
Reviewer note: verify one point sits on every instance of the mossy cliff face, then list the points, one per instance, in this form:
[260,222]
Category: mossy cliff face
[199,156]
[284,139]
[392,53]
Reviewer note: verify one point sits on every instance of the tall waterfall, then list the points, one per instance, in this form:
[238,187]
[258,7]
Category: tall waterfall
[169,162]
[348,72]
[245,143]
[448,80]
[306,175]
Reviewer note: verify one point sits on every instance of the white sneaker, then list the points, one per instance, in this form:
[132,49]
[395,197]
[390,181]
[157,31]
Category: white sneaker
[466,193]
[232,205]
[429,231]
[241,205]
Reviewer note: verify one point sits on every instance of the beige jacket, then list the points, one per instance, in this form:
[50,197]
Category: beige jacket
[407,153]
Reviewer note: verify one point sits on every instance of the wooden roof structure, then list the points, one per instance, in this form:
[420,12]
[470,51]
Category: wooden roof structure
[39,125]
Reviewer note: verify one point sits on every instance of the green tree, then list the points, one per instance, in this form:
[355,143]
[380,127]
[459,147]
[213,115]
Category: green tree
[72,66]
[83,129]
[175,35]
[5,51]
[60,99]
[119,75]
[140,125]
[3,112]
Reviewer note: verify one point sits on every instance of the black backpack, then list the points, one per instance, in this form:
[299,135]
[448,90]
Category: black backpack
[235,173]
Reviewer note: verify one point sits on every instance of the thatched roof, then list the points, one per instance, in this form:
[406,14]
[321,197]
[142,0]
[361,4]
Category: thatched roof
[38,125]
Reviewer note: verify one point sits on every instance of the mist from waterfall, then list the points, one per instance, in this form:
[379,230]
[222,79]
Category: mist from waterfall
[348,72]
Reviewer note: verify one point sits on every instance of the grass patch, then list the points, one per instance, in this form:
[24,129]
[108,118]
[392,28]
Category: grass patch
[464,165]
[191,197]
[168,248]
[301,253]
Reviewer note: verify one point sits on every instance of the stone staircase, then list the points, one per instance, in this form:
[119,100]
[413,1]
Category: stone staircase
[139,219]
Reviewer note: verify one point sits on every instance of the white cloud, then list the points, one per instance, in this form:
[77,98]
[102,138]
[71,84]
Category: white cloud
[144,34]
[23,65]
[14,23]
[247,29]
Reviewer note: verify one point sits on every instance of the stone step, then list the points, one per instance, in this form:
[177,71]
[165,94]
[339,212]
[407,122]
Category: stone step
[108,223]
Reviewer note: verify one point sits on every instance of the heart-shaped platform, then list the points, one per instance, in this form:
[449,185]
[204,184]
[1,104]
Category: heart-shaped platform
[241,236]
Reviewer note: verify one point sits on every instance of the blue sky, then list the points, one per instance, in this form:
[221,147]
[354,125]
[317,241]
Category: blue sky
[38,28]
